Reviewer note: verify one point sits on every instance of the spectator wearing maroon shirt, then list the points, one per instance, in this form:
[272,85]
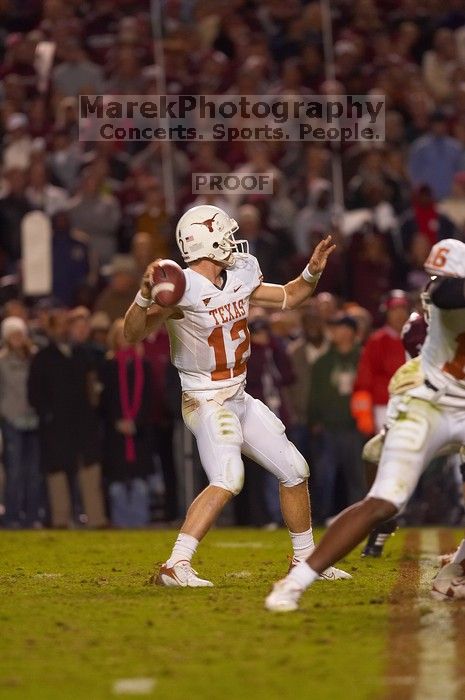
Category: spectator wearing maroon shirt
[382,355]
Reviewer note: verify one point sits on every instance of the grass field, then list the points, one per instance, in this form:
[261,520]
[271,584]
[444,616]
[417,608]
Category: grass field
[77,616]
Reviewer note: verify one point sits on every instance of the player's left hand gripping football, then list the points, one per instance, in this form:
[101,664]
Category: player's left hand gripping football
[317,262]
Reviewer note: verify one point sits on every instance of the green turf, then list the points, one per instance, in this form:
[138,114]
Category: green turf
[76,615]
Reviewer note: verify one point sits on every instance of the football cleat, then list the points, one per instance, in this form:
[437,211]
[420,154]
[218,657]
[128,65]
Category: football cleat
[449,583]
[378,538]
[334,574]
[329,574]
[284,597]
[180,575]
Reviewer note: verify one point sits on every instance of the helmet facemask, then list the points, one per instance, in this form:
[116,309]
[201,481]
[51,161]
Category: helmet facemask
[231,245]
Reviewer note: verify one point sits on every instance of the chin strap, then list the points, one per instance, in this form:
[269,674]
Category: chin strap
[284,306]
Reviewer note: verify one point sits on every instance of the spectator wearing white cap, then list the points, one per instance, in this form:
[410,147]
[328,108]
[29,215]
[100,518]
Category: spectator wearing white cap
[19,427]
[17,153]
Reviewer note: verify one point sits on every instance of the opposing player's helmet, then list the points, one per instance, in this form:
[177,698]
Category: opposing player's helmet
[208,232]
[447,259]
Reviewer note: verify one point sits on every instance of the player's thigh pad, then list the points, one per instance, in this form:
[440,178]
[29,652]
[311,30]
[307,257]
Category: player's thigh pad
[411,442]
[266,442]
[218,433]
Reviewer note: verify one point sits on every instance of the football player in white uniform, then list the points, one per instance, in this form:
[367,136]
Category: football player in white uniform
[430,419]
[210,346]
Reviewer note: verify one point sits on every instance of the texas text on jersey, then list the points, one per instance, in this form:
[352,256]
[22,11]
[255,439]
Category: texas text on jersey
[210,344]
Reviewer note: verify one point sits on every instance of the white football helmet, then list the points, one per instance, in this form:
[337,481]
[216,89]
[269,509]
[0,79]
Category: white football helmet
[447,259]
[208,232]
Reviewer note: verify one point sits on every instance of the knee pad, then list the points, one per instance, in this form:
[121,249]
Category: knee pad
[231,476]
[298,470]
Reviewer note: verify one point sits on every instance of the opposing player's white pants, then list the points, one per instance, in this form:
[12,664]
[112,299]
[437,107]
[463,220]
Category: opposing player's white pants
[240,424]
[420,432]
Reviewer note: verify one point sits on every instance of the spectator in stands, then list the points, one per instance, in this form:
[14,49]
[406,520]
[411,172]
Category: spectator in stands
[335,441]
[60,392]
[116,298]
[453,207]
[79,326]
[13,206]
[382,355]
[424,218]
[439,65]
[73,265]
[261,243]
[98,338]
[64,159]
[76,74]
[317,216]
[417,277]
[303,353]
[142,252]
[42,194]
[157,354]
[435,157]
[19,427]
[126,79]
[372,268]
[153,219]
[17,153]
[125,407]
[96,214]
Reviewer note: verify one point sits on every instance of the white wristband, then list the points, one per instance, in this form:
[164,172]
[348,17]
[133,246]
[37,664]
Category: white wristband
[309,277]
[141,301]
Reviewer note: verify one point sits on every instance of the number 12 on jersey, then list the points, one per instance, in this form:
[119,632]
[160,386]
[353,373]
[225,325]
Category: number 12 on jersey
[226,368]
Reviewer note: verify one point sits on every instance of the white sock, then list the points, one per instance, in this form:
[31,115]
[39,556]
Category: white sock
[303,575]
[183,550]
[303,544]
[459,555]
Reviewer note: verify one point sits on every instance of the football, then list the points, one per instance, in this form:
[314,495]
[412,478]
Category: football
[168,283]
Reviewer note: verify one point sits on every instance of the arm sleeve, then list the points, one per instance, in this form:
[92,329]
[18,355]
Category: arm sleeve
[448,293]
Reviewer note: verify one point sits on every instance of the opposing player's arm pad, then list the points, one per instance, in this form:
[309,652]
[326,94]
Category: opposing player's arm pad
[448,293]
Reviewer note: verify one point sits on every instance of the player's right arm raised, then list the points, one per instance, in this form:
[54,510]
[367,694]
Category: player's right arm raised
[143,316]
[294,293]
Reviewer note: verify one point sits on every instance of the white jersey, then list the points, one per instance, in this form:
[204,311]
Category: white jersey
[210,345]
[443,353]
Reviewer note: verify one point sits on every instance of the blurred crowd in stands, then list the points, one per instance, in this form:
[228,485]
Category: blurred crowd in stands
[91,427]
